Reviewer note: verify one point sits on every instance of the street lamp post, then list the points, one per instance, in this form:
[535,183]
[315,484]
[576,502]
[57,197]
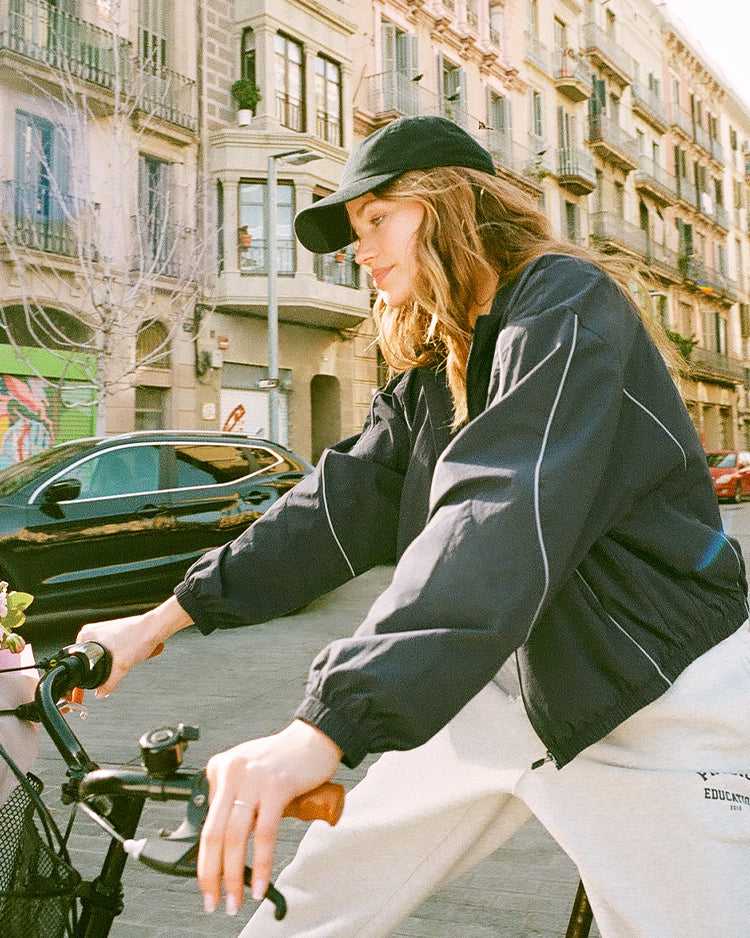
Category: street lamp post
[296,158]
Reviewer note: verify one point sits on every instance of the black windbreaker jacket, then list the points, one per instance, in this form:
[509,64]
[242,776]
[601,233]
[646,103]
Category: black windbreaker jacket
[572,522]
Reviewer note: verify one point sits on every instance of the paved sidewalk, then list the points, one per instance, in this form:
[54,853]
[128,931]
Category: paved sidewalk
[247,682]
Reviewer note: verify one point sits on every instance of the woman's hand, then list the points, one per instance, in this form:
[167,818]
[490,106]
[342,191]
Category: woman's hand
[250,785]
[134,638]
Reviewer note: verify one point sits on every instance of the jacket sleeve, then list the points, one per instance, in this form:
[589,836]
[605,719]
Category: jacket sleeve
[323,532]
[513,509]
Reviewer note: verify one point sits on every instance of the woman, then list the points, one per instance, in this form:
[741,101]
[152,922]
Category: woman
[564,632]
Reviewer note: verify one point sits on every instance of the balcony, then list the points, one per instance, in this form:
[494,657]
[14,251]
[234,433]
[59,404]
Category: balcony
[716,151]
[717,364]
[649,106]
[701,137]
[576,170]
[572,75]
[339,268]
[680,120]
[605,52]
[41,218]
[706,280]
[67,44]
[662,260]
[66,47]
[612,144]
[511,158]
[392,94]
[686,191]
[253,260]
[537,53]
[612,232]
[166,95]
[655,183]
[162,249]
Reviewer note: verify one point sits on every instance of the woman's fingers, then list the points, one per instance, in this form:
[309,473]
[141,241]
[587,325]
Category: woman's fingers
[249,788]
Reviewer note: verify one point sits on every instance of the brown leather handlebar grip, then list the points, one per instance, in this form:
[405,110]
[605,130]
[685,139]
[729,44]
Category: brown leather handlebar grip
[324,803]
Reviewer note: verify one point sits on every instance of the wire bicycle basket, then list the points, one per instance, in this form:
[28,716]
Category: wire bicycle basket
[38,885]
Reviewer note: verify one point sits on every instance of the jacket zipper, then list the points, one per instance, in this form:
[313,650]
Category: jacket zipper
[540,762]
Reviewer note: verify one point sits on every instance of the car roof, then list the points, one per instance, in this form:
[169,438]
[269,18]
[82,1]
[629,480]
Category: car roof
[163,436]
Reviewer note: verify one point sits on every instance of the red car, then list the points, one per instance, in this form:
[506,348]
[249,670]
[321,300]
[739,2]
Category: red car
[730,470]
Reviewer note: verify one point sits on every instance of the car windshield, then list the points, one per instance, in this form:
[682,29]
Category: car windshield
[722,460]
[16,476]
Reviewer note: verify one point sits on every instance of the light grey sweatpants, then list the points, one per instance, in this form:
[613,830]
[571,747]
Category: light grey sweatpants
[656,816]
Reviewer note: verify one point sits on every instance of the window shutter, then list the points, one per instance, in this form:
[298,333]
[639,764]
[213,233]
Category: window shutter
[409,53]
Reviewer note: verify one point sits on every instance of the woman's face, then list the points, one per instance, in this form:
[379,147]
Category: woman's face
[387,237]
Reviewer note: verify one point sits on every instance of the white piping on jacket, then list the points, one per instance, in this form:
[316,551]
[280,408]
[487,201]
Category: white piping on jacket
[640,647]
[328,514]
[656,420]
[537,473]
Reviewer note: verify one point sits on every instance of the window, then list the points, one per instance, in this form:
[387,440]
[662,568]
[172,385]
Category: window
[572,222]
[290,87]
[619,195]
[561,35]
[453,92]
[328,100]
[42,203]
[150,405]
[400,71]
[247,64]
[152,346]
[252,216]
[534,18]
[122,471]
[537,121]
[219,463]
[155,233]
[156,18]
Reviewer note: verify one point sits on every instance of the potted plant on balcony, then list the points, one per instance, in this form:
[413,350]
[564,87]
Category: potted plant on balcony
[246,95]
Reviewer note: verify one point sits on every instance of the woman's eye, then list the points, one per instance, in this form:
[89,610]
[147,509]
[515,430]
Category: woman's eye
[376,220]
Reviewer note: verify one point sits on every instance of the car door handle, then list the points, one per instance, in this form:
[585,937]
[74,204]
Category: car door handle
[151,511]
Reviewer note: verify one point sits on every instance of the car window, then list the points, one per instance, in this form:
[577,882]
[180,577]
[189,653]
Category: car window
[122,471]
[722,460]
[212,463]
[19,474]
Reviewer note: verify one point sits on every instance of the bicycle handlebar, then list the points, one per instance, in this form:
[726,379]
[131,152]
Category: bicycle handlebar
[87,665]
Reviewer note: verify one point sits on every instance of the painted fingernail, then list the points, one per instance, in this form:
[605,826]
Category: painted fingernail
[209,904]
[259,891]
[230,904]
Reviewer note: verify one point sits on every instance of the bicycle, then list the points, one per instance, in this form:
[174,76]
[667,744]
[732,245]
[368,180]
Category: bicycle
[42,894]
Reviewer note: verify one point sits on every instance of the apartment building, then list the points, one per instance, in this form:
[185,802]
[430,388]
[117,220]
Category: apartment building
[300,57]
[98,252]
[135,258]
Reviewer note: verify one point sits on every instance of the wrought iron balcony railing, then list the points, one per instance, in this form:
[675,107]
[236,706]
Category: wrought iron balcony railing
[73,47]
[40,31]
[44,218]
[339,268]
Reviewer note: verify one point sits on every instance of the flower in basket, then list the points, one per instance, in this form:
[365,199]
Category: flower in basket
[12,616]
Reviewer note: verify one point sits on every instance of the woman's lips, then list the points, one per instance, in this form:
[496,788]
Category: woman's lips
[378,275]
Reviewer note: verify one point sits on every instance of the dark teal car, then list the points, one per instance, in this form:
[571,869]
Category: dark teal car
[103,526]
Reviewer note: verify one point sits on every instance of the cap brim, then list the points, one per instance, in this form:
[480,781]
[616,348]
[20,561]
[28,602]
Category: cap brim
[324,226]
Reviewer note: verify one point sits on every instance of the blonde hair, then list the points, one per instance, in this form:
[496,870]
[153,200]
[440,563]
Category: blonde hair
[476,227]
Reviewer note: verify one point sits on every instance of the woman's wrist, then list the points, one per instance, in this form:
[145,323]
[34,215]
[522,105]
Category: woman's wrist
[166,619]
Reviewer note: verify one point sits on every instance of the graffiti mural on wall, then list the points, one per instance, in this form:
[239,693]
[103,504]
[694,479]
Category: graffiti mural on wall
[26,425]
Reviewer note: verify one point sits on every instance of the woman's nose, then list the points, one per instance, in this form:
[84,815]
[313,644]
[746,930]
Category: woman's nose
[361,252]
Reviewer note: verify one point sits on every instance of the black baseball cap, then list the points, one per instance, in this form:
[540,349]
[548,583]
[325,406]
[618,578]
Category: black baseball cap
[408,143]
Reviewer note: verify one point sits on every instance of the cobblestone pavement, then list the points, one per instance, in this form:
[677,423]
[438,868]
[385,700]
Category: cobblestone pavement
[247,682]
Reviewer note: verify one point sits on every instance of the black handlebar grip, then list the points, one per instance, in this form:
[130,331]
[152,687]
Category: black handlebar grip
[88,663]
